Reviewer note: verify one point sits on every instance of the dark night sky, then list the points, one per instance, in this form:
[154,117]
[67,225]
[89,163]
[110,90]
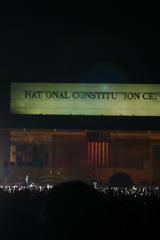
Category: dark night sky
[85,43]
[82,43]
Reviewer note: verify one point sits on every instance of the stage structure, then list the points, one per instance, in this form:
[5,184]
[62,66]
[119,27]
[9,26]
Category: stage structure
[34,146]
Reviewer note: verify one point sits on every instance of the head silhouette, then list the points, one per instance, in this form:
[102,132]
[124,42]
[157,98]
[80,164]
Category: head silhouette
[74,208]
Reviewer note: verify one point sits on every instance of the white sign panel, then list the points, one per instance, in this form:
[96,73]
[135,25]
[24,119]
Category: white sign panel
[85,99]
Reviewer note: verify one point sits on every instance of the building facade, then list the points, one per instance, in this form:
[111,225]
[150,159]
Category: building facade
[53,148]
[58,155]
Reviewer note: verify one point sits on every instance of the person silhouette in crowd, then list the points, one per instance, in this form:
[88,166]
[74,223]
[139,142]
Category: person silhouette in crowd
[75,210]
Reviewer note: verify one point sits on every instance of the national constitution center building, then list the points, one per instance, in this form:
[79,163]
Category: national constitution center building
[58,132]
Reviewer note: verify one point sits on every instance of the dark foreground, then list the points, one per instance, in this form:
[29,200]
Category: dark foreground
[75,210]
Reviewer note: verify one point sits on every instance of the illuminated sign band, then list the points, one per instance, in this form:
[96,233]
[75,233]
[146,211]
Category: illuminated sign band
[85,99]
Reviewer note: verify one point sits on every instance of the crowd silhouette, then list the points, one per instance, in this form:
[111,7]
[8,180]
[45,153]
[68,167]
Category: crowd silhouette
[76,210]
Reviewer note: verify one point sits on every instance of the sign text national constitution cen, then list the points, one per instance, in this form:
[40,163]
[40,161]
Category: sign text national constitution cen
[85,99]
